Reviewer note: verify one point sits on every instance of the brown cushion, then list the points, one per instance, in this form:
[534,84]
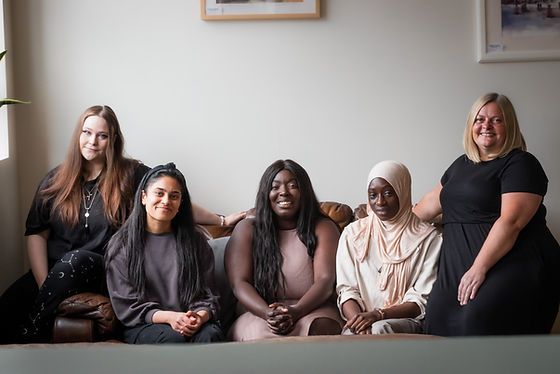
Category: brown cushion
[217,231]
[360,211]
[91,306]
[340,213]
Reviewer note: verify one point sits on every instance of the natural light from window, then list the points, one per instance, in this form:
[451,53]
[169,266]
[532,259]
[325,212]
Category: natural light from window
[4,141]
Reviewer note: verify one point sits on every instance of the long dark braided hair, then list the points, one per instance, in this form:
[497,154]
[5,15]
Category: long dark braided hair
[190,242]
[267,259]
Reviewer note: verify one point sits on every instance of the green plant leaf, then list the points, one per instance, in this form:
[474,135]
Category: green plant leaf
[12,101]
[2,55]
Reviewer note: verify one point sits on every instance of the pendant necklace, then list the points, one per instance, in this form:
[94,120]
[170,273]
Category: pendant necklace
[90,196]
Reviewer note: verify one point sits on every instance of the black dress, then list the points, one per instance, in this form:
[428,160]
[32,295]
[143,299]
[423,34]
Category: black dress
[520,294]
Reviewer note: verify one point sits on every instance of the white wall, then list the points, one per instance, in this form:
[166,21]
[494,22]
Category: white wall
[369,80]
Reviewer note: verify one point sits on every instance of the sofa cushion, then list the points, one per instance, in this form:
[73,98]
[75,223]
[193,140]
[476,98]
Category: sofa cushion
[227,300]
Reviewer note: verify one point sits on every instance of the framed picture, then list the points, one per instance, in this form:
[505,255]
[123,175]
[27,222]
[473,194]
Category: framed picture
[258,9]
[518,30]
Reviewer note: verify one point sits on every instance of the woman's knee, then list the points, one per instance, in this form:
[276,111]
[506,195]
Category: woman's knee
[324,326]
[208,333]
[82,259]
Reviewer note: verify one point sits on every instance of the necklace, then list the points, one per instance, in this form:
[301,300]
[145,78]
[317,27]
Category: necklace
[89,195]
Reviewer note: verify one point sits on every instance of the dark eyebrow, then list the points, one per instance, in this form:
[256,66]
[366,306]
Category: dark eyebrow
[164,190]
[290,181]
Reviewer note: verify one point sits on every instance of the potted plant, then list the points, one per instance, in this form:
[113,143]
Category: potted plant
[7,101]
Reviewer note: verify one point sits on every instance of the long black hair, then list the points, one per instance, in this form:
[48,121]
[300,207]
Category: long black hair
[190,241]
[267,259]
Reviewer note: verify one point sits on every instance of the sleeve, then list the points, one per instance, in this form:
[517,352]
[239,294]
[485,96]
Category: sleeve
[346,281]
[524,173]
[39,216]
[207,300]
[130,309]
[420,290]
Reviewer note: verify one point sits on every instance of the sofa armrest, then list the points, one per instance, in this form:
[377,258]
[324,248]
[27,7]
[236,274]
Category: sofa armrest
[94,307]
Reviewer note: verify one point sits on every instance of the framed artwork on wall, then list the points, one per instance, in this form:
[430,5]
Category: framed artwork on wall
[518,30]
[258,9]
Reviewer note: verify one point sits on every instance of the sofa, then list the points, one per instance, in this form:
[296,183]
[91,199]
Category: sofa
[89,317]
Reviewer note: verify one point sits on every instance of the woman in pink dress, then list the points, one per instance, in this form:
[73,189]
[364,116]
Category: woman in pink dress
[282,263]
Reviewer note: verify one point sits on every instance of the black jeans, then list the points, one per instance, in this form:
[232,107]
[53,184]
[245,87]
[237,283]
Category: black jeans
[162,333]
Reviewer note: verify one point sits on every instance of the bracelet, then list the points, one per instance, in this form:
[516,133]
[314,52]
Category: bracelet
[381,313]
[222,219]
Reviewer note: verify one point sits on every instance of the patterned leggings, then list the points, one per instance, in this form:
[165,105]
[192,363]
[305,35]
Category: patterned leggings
[78,271]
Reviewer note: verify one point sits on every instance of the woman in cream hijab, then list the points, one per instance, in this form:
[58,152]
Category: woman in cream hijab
[386,262]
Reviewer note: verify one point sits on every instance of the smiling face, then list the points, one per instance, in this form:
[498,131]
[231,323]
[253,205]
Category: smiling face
[162,199]
[284,198]
[489,131]
[383,199]
[94,139]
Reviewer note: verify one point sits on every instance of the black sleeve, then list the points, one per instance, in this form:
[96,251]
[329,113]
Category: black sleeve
[524,173]
[39,216]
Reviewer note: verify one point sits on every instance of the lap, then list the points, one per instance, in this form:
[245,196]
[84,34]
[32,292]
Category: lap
[393,326]
[162,333]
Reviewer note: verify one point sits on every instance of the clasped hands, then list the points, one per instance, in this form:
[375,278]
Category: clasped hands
[186,324]
[281,318]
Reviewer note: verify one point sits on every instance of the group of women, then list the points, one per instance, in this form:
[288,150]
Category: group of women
[100,216]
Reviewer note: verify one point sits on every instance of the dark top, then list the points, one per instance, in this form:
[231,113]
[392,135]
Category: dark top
[64,238]
[471,203]
[162,286]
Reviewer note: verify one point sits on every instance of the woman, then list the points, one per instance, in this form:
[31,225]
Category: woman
[498,256]
[160,267]
[386,262]
[281,263]
[76,209]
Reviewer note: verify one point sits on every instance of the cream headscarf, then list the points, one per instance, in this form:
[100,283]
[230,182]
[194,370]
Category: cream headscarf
[396,239]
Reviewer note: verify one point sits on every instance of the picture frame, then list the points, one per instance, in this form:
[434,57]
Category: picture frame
[212,10]
[507,32]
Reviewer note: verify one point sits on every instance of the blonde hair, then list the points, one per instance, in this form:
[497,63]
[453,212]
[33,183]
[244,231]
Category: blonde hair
[514,138]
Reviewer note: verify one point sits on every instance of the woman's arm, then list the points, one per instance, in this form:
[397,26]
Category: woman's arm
[37,252]
[429,207]
[360,322]
[324,271]
[420,290]
[203,216]
[239,268]
[129,307]
[517,210]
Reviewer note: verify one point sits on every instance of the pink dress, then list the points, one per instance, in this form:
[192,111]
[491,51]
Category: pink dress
[297,268]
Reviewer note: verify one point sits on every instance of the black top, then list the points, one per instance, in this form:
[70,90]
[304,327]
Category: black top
[471,203]
[64,238]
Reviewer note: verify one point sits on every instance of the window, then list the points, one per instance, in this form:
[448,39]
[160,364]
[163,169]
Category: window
[4,140]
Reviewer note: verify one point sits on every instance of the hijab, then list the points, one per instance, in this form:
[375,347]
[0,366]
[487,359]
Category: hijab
[397,239]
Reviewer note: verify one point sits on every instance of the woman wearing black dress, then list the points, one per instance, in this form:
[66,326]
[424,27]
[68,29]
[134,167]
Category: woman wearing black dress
[498,271]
